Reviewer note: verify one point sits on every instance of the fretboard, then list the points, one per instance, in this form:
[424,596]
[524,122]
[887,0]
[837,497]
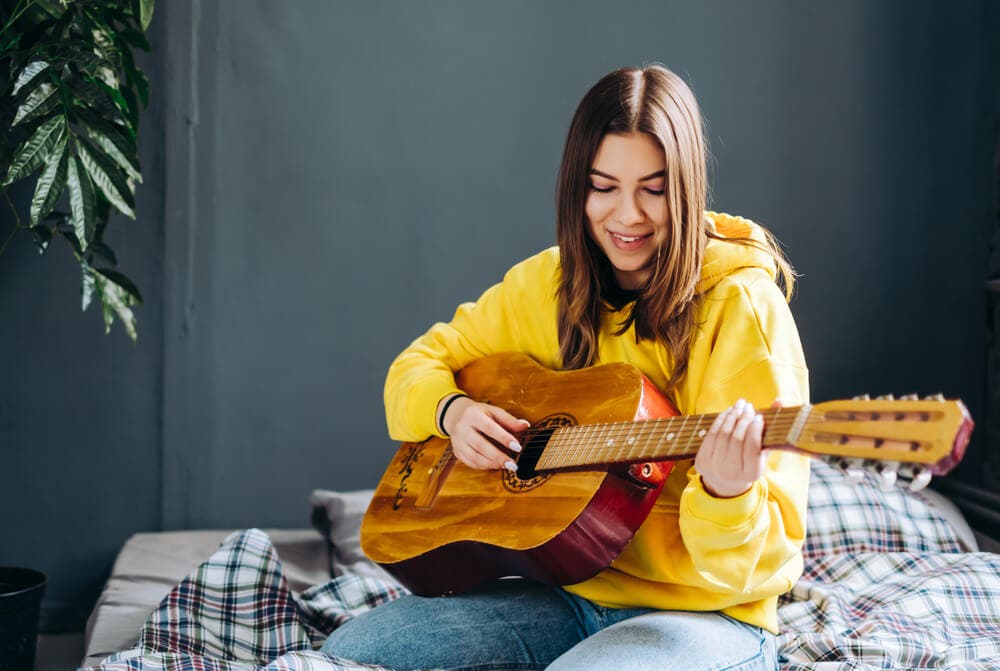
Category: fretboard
[663,439]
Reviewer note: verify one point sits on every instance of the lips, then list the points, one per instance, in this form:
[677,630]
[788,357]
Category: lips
[629,242]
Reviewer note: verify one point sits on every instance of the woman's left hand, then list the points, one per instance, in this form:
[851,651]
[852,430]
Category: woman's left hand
[730,459]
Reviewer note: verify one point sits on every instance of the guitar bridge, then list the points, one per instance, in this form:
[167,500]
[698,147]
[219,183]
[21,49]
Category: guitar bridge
[436,476]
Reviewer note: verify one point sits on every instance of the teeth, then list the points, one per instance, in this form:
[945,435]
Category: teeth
[627,239]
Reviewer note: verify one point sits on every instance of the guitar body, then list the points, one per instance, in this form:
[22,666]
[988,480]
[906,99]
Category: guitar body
[442,527]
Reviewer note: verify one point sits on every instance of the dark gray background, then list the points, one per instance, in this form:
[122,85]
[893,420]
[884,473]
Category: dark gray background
[326,179]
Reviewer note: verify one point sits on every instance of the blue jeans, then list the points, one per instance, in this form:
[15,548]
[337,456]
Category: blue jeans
[521,625]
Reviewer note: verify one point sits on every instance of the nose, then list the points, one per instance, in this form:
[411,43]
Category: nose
[629,213]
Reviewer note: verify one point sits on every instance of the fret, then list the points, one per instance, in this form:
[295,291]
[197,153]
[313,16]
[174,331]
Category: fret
[552,451]
[774,423]
[622,431]
[800,422]
[583,444]
[680,433]
[634,429]
[699,432]
[556,447]
[593,454]
[616,440]
[653,424]
[573,448]
[675,432]
[610,439]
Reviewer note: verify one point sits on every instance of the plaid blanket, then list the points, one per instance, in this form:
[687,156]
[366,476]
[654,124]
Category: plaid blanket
[877,610]
[235,612]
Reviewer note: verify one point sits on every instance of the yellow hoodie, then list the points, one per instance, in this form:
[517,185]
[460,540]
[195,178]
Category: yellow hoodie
[694,551]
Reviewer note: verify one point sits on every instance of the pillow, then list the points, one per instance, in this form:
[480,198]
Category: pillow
[852,518]
[337,516]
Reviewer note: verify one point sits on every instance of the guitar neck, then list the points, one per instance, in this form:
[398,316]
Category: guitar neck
[664,439]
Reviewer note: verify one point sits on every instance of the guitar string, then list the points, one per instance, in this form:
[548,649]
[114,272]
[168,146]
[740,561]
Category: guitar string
[681,440]
[661,425]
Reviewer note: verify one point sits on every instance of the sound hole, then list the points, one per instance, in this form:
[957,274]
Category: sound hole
[534,442]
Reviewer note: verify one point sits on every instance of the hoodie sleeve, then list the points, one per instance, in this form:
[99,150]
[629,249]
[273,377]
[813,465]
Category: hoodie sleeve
[424,372]
[741,542]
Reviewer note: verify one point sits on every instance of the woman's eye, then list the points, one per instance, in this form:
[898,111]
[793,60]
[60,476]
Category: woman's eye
[655,192]
[606,189]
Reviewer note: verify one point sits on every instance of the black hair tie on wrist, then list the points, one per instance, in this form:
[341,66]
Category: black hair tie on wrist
[444,410]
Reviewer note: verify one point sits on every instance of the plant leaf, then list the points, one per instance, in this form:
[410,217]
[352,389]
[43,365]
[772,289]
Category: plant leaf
[118,133]
[113,93]
[112,148]
[65,230]
[125,283]
[83,56]
[36,149]
[29,74]
[53,7]
[135,38]
[142,86]
[102,252]
[88,96]
[89,284]
[81,201]
[133,106]
[51,184]
[38,103]
[10,44]
[114,301]
[108,179]
[143,10]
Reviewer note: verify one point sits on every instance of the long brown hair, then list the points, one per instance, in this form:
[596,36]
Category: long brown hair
[650,100]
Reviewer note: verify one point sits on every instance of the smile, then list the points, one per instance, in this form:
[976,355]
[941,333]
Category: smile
[629,243]
[629,238]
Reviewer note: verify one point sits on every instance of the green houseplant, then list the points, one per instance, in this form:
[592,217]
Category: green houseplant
[69,114]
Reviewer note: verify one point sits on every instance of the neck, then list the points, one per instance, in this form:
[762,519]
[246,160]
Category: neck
[662,439]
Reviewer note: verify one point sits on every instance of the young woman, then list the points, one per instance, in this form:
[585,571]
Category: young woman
[643,273]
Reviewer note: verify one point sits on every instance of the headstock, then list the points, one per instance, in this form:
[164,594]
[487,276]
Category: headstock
[906,437]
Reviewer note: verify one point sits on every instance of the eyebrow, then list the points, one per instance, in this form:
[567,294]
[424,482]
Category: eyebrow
[658,173]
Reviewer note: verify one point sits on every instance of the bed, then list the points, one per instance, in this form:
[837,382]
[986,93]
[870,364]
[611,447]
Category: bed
[893,580]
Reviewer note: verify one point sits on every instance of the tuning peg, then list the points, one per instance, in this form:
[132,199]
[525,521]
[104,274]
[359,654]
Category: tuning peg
[885,397]
[909,397]
[934,397]
[885,474]
[853,469]
[862,397]
[921,478]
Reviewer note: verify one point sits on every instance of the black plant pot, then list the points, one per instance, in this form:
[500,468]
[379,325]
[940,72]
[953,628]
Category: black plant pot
[21,591]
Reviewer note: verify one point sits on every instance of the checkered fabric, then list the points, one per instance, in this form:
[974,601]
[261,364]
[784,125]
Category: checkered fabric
[851,610]
[846,518]
[894,610]
[235,612]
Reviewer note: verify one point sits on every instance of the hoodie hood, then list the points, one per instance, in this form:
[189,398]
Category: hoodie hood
[722,258]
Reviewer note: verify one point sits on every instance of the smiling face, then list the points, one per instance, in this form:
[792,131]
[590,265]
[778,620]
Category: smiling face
[626,205]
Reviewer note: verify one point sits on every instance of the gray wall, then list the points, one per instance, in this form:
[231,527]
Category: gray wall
[324,180]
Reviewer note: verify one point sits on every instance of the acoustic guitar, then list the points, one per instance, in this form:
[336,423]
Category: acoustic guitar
[600,446]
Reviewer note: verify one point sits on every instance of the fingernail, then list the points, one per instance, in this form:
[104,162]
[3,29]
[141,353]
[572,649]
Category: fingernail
[510,465]
[514,446]
[758,419]
[740,404]
[525,422]
[748,409]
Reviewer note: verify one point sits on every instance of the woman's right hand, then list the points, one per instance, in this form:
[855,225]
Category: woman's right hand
[473,427]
